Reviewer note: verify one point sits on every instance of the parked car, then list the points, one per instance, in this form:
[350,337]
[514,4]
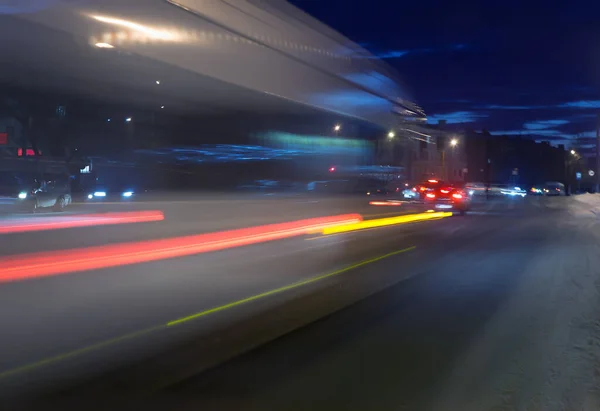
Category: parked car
[32,192]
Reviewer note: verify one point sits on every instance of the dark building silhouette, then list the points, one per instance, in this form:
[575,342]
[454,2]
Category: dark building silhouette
[513,160]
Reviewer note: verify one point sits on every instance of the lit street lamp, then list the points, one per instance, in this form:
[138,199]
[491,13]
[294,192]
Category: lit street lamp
[391,134]
[337,127]
[453,142]
[573,152]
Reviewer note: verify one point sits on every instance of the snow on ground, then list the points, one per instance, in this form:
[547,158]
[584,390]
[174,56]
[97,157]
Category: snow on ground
[587,198]
[544,343]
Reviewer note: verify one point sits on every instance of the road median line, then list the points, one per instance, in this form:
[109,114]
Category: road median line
[383,222]
[171,324]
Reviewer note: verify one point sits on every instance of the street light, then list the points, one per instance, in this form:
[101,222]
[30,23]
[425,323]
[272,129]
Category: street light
[573,152]
[337,127]
[391,134]
[453,142]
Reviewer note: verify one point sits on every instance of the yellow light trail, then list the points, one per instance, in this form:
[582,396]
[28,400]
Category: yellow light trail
[103,344]
[383,222]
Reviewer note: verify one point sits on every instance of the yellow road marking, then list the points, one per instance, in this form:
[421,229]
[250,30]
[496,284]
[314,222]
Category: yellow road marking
[285,288]
[112,341]
[382,222]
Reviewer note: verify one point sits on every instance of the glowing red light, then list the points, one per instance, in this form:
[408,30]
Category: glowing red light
[331,169]
[414,188]
[28,152]
[430,195]
[432,181]
[457,196]
[445,191]
[422,188]
[21,267]
[85,220]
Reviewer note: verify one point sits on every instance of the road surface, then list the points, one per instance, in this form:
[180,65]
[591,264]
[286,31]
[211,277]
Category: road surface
[433,309]
[507,320]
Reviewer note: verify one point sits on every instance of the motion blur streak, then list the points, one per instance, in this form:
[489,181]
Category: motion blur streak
[385,203]
[26,266]
[382,222]
[286,287]
[55,223]
[103,344]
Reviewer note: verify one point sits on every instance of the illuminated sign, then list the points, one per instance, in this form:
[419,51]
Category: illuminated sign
[3,139]
[85,170]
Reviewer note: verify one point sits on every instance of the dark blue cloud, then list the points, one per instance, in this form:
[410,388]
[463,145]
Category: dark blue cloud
[544,124]
[490,65]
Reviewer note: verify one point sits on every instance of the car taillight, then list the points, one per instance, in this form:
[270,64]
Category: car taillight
[458,196]
[422,189]
[430,195]
[445,191]
[414,188]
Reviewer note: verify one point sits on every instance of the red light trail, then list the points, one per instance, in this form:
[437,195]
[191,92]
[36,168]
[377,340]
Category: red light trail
[45,264]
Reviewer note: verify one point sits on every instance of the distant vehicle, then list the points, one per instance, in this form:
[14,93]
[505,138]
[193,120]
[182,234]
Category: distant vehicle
[554,188]
[513,191]
[410,194]
[380,192]
[113,194]
[475,189]
[30,192]
[536,191]
[443,196]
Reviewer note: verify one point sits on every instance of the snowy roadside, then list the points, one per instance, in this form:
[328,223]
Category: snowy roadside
[587,198]
[541,350]
[587,201]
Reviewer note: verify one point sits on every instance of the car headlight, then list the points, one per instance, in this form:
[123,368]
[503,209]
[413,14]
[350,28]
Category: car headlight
[22,195]
[127,193]
[90,196]
[100,194]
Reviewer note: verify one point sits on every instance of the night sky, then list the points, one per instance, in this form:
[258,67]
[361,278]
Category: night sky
[511,67]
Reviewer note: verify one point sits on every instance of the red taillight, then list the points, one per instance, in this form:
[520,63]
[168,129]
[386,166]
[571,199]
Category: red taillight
[445,191]
[422,189]
[432,181]
[414,188]
[430,195]
[458,196]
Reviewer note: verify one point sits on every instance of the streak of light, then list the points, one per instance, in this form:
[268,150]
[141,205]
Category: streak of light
[55,223]
[103,344]
[27,266]
[104,45]
[385,203]
[140,28]
[416,132]
[382,222]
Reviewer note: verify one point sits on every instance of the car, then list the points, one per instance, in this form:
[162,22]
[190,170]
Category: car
[554,188]
[32,192]
[440,195]
[115,193]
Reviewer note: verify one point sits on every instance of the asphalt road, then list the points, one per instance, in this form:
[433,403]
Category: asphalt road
[426,290]
[503,317]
